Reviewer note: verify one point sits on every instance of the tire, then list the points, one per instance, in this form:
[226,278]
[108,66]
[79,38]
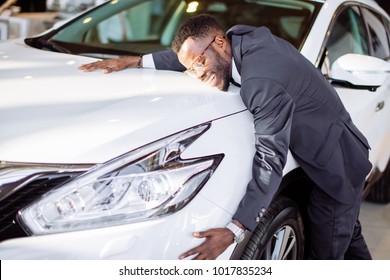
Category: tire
[380,191]
[279,234]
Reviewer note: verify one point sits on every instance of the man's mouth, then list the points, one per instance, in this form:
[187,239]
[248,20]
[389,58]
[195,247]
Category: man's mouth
[211,81]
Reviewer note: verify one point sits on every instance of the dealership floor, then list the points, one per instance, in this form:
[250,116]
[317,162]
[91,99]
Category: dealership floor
[375,220]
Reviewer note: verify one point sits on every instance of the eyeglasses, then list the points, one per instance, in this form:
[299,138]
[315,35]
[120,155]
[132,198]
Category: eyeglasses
[199,63]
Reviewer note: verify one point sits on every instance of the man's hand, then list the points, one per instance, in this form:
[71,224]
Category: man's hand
[110,65]
[217,241]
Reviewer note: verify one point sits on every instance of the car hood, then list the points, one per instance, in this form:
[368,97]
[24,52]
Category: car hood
[51,112]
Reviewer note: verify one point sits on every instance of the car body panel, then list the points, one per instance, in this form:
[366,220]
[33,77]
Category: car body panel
[75,123]
[122,242]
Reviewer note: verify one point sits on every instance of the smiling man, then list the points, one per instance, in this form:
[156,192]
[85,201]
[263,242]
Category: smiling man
[218,69]
[294,107]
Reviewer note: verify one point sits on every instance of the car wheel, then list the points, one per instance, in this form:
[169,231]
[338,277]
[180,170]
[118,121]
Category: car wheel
[279,235]
[380,191]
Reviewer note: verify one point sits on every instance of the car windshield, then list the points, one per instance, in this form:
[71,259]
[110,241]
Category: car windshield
[121,27]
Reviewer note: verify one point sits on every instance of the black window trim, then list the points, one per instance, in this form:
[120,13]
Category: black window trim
[371,51]
[321,55]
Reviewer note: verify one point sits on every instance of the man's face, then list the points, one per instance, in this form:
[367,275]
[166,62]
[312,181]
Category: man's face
[209,60]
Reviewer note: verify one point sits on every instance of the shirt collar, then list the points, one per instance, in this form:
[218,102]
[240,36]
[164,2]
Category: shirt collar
[235,75]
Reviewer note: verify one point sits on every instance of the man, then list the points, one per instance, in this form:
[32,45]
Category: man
[294,107]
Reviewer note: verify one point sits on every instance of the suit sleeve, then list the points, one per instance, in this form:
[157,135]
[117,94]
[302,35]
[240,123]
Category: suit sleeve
[272,110]
[167,60]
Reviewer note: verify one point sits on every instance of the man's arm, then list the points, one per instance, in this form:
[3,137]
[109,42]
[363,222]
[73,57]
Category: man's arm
[163,60]
[272,110]
[167,60]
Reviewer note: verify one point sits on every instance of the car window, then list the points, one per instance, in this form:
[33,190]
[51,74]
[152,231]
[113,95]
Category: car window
[378,36]
[139,22]
[125,25]
[146,26]
[347,35]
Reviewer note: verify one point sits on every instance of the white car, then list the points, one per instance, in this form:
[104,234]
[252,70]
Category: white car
[128,165]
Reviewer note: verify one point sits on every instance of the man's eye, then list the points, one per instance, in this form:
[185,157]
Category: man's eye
[199,64]
[201,60]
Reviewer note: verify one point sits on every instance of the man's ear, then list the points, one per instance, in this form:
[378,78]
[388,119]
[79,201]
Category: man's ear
[222,42]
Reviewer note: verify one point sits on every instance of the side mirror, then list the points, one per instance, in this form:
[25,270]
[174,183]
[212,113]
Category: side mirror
[360,71]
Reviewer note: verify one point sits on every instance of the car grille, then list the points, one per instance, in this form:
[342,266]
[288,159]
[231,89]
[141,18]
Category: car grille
[14,195]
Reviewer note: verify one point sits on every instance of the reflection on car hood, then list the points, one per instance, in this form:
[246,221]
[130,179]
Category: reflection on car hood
[52,112]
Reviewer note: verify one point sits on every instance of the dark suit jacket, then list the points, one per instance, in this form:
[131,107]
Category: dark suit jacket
[294,107]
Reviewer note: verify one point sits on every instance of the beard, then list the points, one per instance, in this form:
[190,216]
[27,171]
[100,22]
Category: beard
[223,67]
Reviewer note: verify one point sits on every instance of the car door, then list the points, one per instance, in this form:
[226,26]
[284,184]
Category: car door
[361,31]
[378,131]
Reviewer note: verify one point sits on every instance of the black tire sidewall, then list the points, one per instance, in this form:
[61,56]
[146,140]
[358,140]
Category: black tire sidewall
[282,212]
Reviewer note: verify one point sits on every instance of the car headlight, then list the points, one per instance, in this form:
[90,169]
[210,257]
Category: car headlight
[149,182]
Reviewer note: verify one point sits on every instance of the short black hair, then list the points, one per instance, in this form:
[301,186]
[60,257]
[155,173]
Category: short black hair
[197,27]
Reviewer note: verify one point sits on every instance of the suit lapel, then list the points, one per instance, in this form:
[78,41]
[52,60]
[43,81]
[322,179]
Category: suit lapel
[235,35]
